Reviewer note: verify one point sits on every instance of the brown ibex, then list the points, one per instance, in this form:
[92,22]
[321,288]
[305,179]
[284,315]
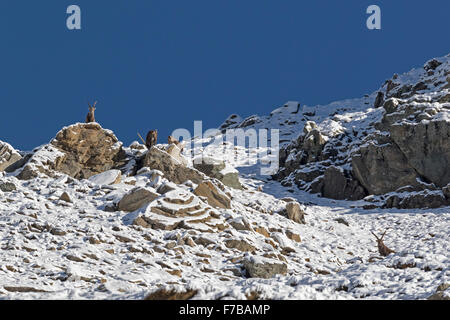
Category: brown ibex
[151,139]
[382,248]
[91,115]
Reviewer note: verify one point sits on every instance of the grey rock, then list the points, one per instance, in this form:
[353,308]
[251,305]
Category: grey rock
[7,186]
[263,267]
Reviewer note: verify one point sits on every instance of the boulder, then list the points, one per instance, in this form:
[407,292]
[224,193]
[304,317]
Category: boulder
[215,197]
[417,200]
[7,186]
[173,169]
[88,150]
[217,169]
[8,155]
[295,212]
[136,199]
[259,267]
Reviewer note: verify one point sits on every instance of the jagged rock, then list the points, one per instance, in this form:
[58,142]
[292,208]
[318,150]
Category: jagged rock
[7,186]
[88,150]
[135,199]
[107,178]
[8,155]
[295,212]
[217,169]
[173,169]
[259,267]
[216,197]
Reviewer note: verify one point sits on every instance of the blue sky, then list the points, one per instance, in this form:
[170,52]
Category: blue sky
[163,64]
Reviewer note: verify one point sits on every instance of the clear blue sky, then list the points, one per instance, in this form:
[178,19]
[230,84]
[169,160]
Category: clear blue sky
[163,64]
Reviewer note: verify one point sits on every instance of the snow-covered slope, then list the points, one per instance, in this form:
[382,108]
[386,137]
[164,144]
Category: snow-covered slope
[66,238]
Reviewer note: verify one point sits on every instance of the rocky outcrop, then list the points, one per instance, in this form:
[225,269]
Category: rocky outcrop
[338,184]
[8,155]
[217,169]
[173,169]
[81,150]
[88,150]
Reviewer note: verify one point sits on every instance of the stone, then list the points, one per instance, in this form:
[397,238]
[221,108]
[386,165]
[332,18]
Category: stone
[295,212]
[136,199]
[8,155]
[266,268]
[65,197]
[173,169]
[240,245]
[217,169]
[7,186]
[215,197]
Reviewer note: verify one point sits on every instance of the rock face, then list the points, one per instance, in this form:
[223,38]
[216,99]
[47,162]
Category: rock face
[336,185]
[405,147]
[173,169]
[89,149]
[216,197]
[258,267]
[217,169]
[136,198]
[8,155]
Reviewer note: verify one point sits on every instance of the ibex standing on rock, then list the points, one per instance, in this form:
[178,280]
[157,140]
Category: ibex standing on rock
[382,249]
[151,139]
[91,115]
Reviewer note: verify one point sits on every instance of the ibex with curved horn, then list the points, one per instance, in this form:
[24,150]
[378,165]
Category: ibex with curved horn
[382,248]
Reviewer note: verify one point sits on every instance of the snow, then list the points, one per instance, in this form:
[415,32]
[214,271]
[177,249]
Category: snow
[80,251]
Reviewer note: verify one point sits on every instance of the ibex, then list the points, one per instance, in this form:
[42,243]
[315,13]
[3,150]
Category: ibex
[172,140]
[151,139]
[382,249]
[91,115]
